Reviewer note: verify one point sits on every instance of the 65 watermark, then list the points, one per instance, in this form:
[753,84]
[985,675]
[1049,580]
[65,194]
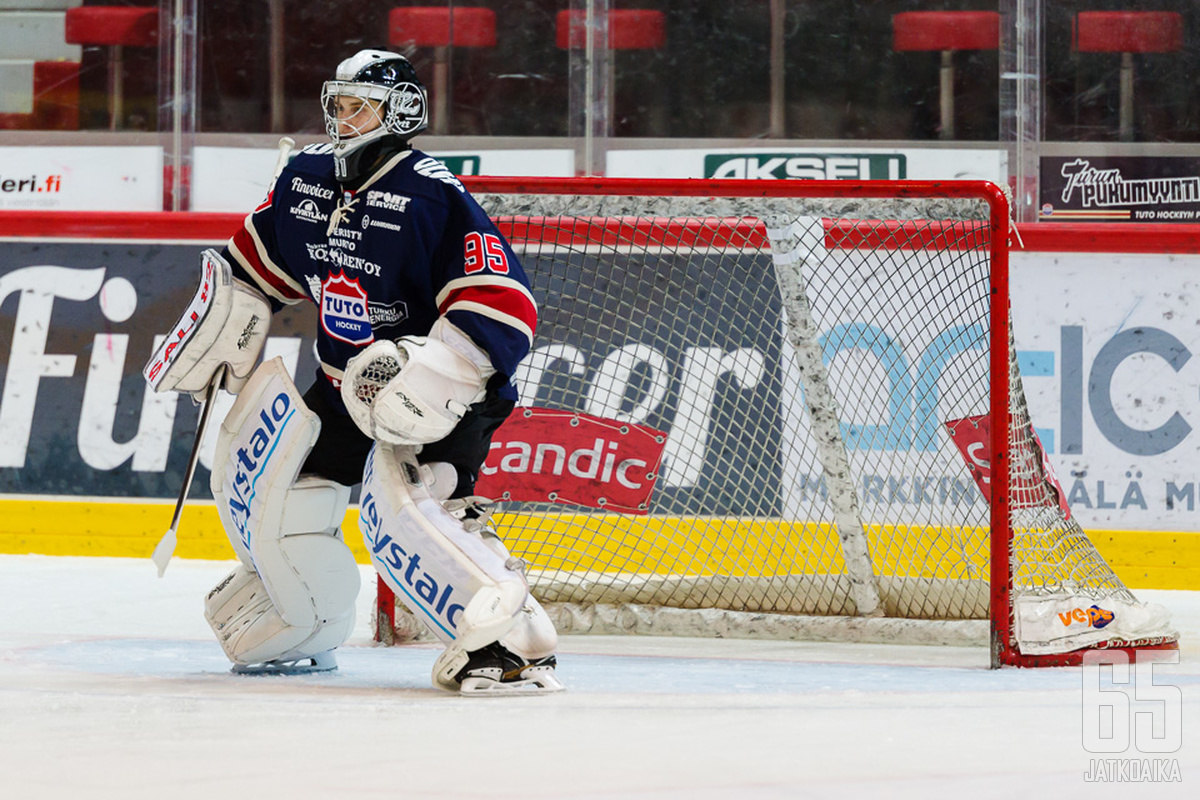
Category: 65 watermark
[1132,716]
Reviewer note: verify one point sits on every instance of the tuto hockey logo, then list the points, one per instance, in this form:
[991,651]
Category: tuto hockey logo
[345,313]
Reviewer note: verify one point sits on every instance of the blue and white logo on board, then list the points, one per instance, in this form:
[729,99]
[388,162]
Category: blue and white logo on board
[344,310]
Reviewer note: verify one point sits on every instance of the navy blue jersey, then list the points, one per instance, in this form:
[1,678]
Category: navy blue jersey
[387,260]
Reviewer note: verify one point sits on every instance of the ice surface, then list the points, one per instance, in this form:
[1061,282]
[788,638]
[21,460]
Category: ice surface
[112,686]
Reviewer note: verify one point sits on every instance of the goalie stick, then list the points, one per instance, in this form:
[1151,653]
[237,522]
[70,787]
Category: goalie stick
[166,545]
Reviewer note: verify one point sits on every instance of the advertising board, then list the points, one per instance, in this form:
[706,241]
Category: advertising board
[1105,343]
[812,162]
[1120,189]
[81,178]
[236,179]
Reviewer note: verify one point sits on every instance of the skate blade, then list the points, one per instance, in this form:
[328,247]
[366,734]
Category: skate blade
[484,687]
[325,662]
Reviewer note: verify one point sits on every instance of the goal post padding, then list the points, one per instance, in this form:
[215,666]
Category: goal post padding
[824,360]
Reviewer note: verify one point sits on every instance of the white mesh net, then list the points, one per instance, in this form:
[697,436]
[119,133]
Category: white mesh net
[821,370]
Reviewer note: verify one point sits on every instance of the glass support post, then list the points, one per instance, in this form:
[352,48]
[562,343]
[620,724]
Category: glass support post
[1021,123]
[590,73]
[178,93]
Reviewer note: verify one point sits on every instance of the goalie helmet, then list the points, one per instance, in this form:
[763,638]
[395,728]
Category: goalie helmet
[375,103]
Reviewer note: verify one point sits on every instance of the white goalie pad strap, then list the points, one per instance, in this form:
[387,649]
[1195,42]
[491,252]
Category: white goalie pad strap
[416,390]
[226,323]
[440,478]
[455,584]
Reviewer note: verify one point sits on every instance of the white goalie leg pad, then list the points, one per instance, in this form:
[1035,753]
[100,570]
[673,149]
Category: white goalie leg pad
[249,628]
[226,323]
[455,584]
[301,602]
[307,568]
[297,598]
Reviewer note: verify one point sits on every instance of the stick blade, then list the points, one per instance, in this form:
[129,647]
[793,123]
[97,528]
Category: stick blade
[164,550]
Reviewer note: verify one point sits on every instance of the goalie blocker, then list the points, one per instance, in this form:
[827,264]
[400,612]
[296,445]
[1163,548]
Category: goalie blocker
[226,323]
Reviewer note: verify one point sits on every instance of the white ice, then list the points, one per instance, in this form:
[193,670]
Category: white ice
[112,686]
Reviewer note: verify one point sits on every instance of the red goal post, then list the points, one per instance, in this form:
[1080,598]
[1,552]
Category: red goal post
[822,363]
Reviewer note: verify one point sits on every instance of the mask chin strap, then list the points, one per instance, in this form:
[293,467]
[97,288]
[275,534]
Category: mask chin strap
[356,165]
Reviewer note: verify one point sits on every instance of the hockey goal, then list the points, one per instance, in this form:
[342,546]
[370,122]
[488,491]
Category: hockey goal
[787,409]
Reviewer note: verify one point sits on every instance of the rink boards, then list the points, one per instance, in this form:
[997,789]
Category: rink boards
[90,462]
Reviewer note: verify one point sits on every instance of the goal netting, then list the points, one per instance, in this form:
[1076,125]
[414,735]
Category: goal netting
[787,409]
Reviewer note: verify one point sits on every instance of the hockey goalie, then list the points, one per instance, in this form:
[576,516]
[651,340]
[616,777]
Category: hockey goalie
[424,312]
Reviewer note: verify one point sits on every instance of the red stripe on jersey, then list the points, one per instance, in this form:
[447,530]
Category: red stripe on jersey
[504,299]
[266,203]
[245,245]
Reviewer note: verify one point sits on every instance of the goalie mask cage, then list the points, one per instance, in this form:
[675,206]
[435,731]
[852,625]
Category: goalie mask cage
[828,361]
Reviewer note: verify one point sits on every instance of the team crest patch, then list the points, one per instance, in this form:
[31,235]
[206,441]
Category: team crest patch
[344,310]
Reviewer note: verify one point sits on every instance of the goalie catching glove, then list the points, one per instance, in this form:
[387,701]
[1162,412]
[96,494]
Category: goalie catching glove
[415,391]
[226,323]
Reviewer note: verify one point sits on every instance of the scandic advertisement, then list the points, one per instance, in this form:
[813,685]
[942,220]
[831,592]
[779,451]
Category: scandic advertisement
[1107,366]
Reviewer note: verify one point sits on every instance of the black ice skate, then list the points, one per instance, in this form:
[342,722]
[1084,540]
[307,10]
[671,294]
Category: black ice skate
[495,669]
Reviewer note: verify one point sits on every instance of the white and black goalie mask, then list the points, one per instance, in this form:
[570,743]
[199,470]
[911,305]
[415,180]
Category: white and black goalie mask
[375,99]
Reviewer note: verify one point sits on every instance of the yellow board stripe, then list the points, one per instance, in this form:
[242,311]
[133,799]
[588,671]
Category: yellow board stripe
[119,528]
[706,546]
[666,545]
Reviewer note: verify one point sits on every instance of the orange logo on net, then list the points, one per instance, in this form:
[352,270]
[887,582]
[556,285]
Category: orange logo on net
[1094,617]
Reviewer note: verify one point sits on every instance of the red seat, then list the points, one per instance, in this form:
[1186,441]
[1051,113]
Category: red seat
[628,29]
[946,31]
[1127,33]
[55,99]
[114,27]
[441,28]
[430,26]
